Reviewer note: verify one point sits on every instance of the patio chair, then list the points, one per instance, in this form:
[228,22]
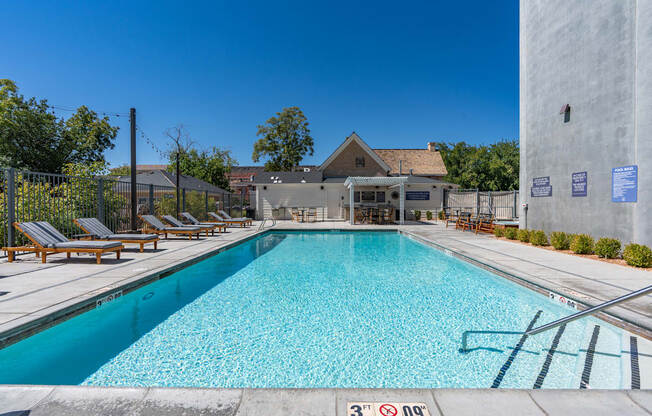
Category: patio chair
[228,217]
[98,231]
[155,225]
[176,223]
[449,218]
[485,224]
[463,220]
[311,215]
[241,223]
[46,239]
[296,216]
[221,227]
[388,215]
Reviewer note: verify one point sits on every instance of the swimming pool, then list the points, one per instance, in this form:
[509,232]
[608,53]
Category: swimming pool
[320,309]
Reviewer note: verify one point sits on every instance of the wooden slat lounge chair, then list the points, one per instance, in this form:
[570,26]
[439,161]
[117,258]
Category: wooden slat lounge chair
[155,226]
[98,231]
[226,216]
[241,223]
[176,223]
[221,227]
[46,239]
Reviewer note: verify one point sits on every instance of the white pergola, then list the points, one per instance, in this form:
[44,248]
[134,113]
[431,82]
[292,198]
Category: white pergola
[390,181]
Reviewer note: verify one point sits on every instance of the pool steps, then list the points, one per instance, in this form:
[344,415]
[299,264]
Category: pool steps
[602,359]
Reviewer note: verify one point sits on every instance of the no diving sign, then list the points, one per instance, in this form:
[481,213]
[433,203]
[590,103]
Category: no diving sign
[386,409]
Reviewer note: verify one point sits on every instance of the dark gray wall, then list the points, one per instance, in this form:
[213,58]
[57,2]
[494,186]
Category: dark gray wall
[595,55]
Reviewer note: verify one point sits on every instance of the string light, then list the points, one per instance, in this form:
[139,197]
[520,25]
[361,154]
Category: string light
[149,141]
[104,113]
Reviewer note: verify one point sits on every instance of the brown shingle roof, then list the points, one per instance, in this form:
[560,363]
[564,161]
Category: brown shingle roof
[421,161]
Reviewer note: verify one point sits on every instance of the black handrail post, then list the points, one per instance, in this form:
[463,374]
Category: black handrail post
[134,200]
[11,206]
[100,200]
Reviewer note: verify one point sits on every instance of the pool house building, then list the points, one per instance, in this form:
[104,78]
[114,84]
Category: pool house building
[398,181]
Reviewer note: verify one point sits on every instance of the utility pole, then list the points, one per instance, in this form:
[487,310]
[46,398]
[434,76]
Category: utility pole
[178,152]
[134,199]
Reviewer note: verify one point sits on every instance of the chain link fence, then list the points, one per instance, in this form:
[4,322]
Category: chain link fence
[58,199]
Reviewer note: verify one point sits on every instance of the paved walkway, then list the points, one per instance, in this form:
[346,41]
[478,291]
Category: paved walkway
[89,401]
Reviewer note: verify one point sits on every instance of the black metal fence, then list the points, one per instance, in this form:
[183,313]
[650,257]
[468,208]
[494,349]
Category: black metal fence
[58,199]
[502,204]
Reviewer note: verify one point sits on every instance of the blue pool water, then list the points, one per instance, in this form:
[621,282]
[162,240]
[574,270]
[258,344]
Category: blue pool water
[329,309]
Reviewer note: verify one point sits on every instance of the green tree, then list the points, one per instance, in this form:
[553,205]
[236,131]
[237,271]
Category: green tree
[32,137]
[285,140]
[489,168]
[212,165]
[122,170]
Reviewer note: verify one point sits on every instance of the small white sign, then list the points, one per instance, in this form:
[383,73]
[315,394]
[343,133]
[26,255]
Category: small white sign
[555,297]
[386,409]
[108,298]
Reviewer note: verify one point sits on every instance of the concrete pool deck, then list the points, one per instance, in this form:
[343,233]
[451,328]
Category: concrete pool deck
[89,401]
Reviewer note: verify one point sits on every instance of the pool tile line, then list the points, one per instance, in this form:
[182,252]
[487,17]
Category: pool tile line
[636,372]
[588,362]
[515,351]
[551,352]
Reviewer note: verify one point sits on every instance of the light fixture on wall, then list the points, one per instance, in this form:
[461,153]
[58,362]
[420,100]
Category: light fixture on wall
[566,110]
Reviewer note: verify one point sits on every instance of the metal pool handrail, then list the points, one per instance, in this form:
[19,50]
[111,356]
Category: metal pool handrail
[597,308]
[262,224]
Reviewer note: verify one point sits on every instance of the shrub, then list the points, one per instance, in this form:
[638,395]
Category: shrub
[638,255]
[560,240]
[608,248]
[582,244]
[538,238]
[523,235]
[441,215]
[499,231]
[428,215]
[417,214]
[511,233]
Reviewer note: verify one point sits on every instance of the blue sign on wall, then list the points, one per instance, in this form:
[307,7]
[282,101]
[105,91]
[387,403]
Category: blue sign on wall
[541,187]
[624,183]
[417,195]
[579,183]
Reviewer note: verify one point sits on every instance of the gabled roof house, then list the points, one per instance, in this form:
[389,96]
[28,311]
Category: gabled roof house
[406,179]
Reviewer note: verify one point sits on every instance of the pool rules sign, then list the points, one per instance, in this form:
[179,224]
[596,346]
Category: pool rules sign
[386,409]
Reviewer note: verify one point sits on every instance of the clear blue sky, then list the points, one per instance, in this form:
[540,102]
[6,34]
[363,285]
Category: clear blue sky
[398,73]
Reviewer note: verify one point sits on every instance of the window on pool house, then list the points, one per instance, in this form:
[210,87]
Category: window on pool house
[380,196]
[368,196]
[359,162]
[356,197]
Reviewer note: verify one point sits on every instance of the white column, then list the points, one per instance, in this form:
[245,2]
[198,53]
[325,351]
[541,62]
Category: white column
[351,198]
[402,204]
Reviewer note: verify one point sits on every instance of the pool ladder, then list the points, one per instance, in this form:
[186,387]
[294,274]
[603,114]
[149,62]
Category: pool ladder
[262,224]
[632,295]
